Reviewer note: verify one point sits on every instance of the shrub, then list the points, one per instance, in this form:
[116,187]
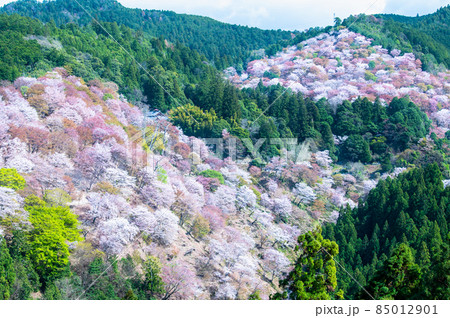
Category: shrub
[9,178]
[107,96]
[200,227]
[105,187]
[57,197]
[213,174]
[369,76]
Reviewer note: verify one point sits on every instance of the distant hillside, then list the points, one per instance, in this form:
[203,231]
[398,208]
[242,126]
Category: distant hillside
[225,44]
[427,36]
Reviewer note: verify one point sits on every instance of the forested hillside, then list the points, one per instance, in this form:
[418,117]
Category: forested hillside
[412,210]
[134,167]
[427,36]
[223,44]
[88,182]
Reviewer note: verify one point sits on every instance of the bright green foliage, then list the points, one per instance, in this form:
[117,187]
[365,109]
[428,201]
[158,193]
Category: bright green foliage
[314,274]
[52,292]
[213,174]
[398,278]
[369,76]
[108,96]
[7,272]
[193,120]
[254,296]
[154,285]
[52,228]
[9,178]
[161,175]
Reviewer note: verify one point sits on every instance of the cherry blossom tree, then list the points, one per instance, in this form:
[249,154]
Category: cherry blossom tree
[263,218]
[443,118]
[10,202]
[224,198]
[48,176]
[266,201]
[165,230]
[282,207]
[20,162]
[245,198]
[115,234]
[158,194]
[119,178]
[179,281]
[275,263]
[60,161]
[304,194]
[93,162]
[214,216]
[272,185]
[446,183]
[226,291]
[36,138]
[106,206]
[143,219]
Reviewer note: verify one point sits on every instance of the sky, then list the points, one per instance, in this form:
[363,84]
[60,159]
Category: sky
[285,14]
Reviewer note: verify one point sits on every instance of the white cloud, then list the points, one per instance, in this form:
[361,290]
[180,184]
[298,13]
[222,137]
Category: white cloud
[413,7]
[285,14]
[281,14]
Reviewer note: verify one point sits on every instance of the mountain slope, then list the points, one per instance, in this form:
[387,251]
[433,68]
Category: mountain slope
[427,36]
[343,65]
[139,187]
[222,43]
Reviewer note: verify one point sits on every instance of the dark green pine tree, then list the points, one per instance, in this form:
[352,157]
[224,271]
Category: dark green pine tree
[398,278]
[154,285]
[7,273]
[230,108]
[314,274]
[154,93]
[27,280]
[52,292]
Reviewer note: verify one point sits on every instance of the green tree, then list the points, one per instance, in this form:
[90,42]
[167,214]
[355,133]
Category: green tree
[154,285]
[9,178]
[355,148]
[193,120]
[254,296]
[398,278]
[7,273]
[213,174]
[314,274]
[27,280]
[53,227]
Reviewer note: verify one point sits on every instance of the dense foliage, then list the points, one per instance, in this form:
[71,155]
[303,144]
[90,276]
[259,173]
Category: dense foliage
[314,274]
[33,48]
[9,178]
[413,210]
[100,199]
[397,126]
[223,44]
[427,36]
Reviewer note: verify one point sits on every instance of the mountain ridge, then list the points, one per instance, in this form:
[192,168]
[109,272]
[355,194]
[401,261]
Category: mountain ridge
[218,41]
